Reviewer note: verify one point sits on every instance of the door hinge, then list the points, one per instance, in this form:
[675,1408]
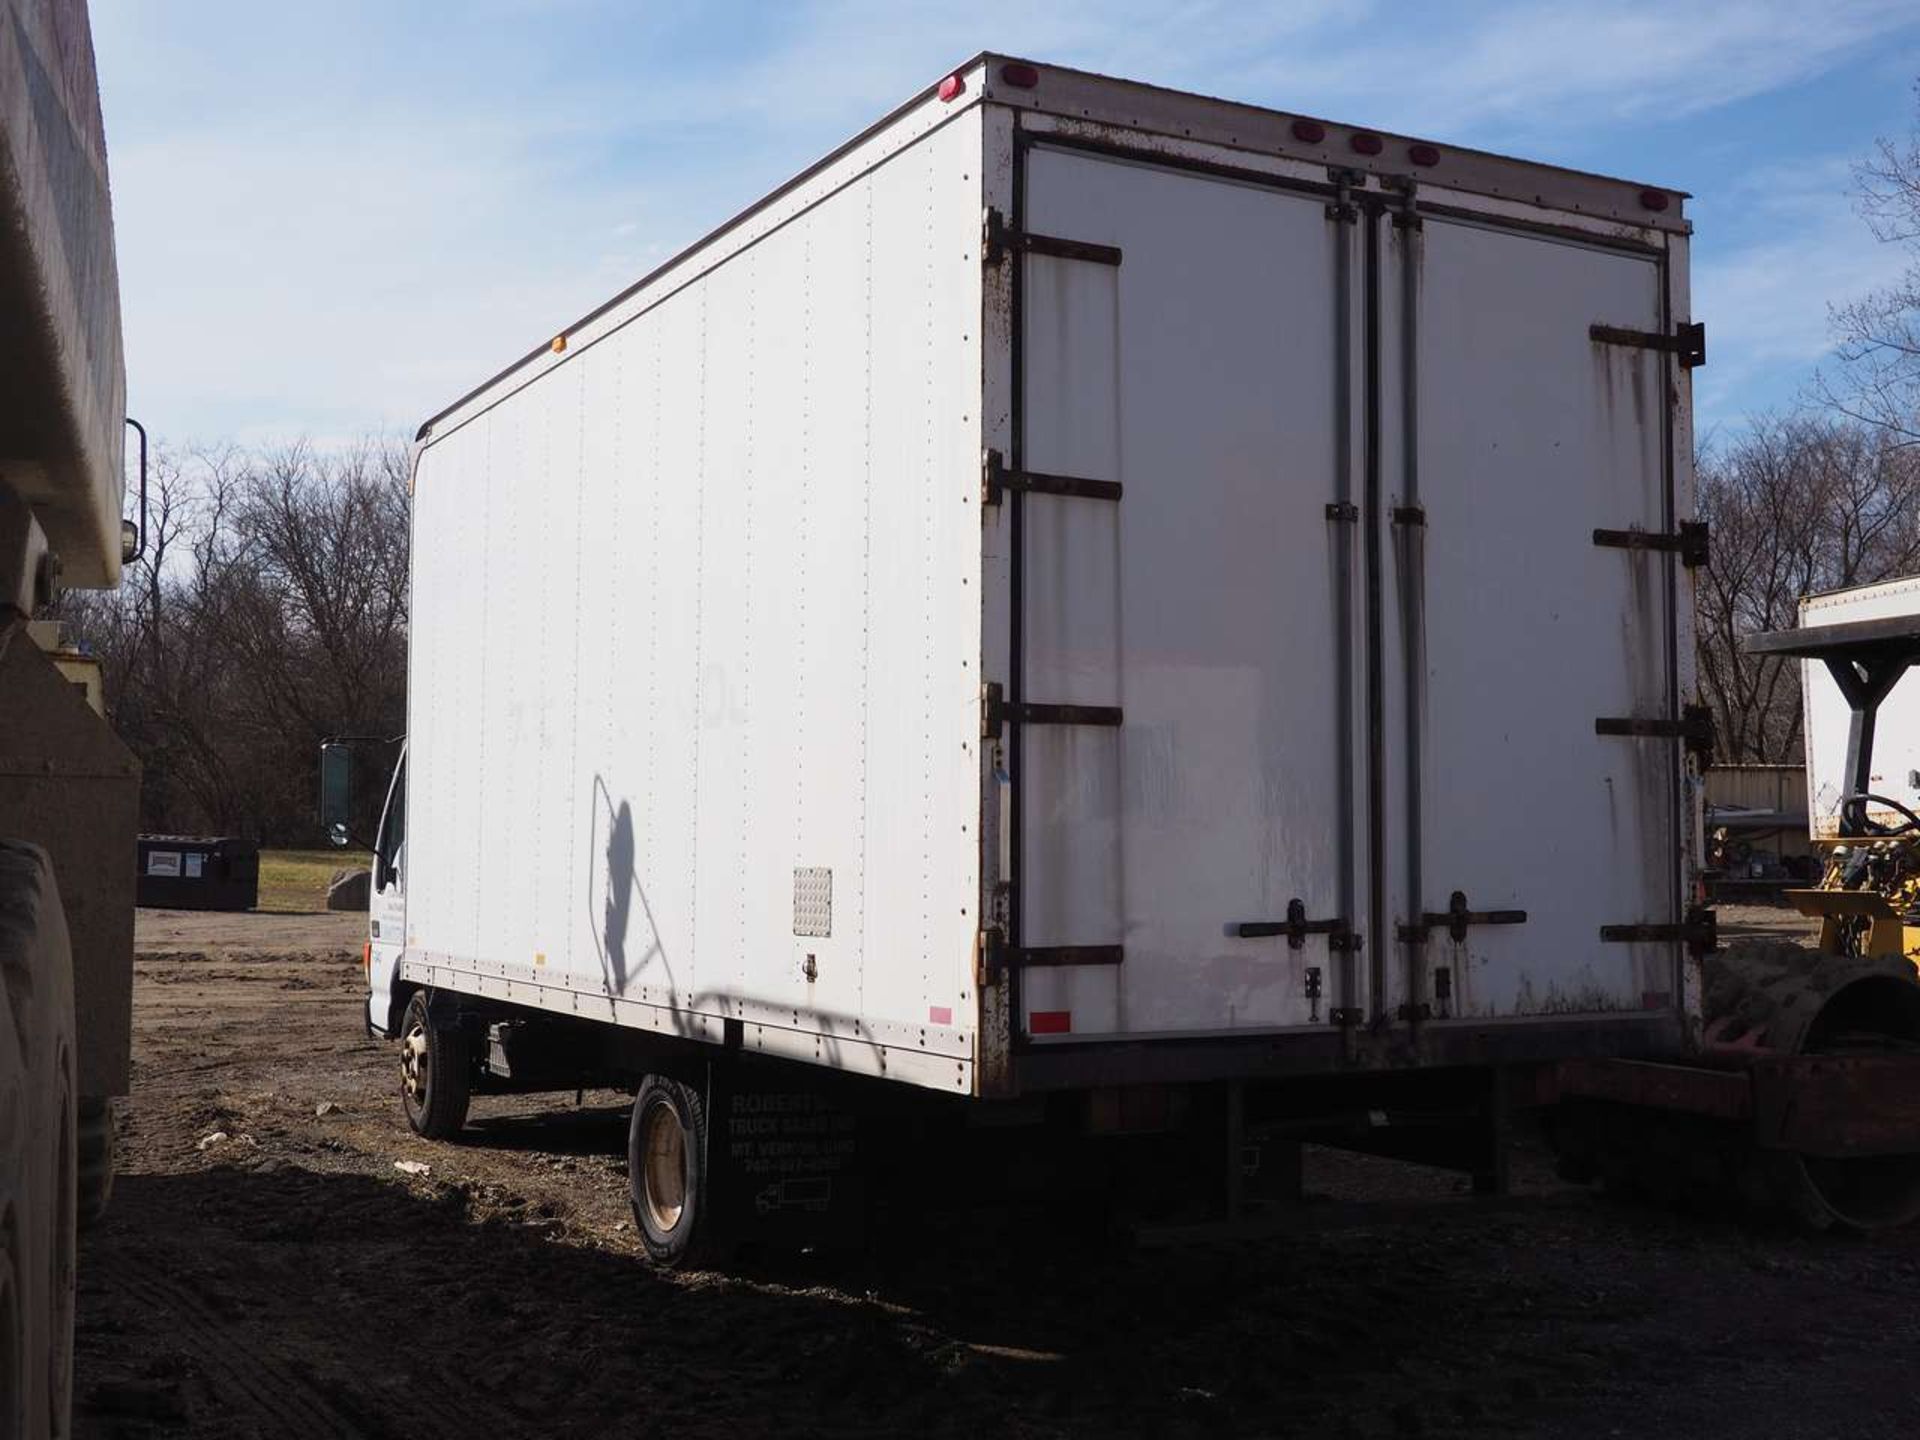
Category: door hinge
[1699,932]
[997,711]
[1687,343]
[996,957]
[1694,728]
[1689,542]
[999,240]
[996,480]
[1345,182]
[1456,919]
[1296,927]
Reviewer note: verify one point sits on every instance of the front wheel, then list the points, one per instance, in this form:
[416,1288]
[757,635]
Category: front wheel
[667,1173]
[436,1072]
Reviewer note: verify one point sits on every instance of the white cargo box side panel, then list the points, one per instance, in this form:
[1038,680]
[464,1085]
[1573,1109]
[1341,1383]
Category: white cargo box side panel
[696,696]
[1896,740]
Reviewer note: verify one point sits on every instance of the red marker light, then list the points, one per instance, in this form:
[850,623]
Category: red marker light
[1312,132]
[1654,199]
[1021,77]
[1424,154]
[1365,142]
[951,86]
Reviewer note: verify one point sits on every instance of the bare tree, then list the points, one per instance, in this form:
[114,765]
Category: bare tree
[268,613]
[1797,505]
[1878,383]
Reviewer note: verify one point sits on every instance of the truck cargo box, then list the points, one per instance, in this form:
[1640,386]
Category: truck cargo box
[1087,584]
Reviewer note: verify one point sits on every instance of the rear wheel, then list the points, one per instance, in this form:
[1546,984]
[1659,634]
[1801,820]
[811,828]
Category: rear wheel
[667,1173]
[436,1071]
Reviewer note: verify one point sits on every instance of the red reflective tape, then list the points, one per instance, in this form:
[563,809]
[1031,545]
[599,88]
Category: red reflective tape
[939,1014]
[1050,1022]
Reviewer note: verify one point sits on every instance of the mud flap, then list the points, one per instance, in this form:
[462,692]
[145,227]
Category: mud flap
[789,1166]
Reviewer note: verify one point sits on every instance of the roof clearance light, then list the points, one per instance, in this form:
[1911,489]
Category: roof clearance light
[1310,131]
[951,87]
[559,344]
[1021,77]
[1365,142]
[1424,154]
[1654,199]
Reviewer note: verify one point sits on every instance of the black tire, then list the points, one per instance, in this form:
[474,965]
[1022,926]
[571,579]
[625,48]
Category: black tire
[97,1144]
[436,1072]
[667,1174]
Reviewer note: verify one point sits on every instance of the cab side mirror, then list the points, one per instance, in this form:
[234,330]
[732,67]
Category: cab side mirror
[336,790]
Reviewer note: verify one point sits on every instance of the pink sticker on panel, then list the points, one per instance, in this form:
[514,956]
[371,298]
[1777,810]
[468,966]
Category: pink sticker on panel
[940,1015]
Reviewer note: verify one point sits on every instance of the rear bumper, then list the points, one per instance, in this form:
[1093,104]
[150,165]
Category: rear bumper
[1434,1045]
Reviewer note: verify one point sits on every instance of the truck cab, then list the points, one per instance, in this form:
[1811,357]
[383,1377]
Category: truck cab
[387,907]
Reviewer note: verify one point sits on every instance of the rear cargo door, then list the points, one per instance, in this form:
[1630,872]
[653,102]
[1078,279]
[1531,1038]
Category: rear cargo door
[1182,765]
[1510,434]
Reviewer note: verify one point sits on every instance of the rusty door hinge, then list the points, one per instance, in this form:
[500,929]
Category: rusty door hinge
[996,711]
[999,240]
[1687,343]
[1699,932]
[1694,728]
[996,481]
[996,957]
[1689,542]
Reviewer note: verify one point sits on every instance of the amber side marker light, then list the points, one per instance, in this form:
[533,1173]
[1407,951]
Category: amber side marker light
[559,344]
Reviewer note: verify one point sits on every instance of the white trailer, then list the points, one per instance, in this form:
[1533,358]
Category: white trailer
[1087,586]
[1878,755]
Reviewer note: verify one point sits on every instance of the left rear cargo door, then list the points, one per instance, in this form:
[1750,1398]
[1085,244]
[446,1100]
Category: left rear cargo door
[1185,767]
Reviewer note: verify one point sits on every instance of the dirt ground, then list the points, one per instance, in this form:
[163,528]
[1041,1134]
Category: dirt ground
[285,1279]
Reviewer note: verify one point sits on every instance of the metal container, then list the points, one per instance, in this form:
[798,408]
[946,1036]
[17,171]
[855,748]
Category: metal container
[198,872]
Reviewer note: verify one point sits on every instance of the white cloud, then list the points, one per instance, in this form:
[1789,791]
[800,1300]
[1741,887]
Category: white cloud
[1766,301]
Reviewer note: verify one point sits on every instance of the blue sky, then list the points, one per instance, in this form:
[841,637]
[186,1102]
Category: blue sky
[335,218]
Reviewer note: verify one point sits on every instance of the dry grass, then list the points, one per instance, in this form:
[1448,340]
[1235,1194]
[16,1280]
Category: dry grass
[298,879]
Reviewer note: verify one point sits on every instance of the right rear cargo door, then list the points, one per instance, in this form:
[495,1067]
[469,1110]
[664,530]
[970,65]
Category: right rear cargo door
[1512,638]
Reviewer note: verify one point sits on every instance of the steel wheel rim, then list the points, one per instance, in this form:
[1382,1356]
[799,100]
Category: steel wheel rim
[664,1167]
[413,1062]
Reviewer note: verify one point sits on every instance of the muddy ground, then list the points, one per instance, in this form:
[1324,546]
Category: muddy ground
[287,1280]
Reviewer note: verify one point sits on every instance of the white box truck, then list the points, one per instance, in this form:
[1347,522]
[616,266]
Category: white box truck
[1090,601]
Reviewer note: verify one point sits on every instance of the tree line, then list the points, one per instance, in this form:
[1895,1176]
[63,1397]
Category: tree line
[1820,499]
[268,613]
